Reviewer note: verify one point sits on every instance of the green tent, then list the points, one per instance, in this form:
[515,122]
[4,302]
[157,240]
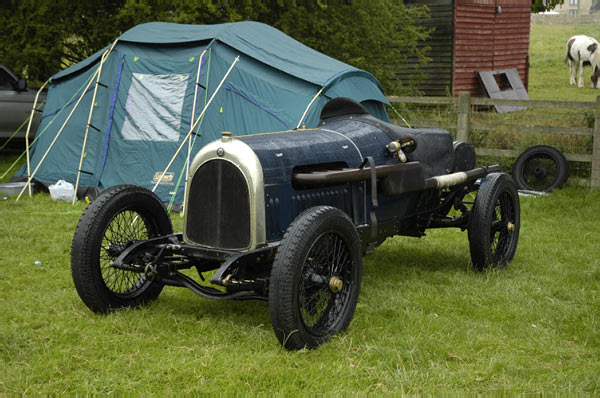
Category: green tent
[145,97]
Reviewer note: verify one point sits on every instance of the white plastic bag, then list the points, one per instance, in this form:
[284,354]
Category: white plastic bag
[62,190]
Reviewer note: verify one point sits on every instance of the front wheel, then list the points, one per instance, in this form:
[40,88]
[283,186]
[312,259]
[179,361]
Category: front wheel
[495,222]
[118,218]
[315,279]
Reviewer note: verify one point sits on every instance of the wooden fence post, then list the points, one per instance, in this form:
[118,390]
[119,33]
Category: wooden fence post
[595,183]
[464,116]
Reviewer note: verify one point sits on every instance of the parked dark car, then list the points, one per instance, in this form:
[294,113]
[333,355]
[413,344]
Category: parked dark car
[286,217]
[16,101]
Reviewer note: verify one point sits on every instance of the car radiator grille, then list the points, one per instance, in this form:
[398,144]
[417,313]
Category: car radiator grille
[218,212]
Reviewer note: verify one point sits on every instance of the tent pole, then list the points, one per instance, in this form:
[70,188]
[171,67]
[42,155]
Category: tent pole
[189,134]
[27,133]
[187,167]
[308,107]
[29,178]
[89,121]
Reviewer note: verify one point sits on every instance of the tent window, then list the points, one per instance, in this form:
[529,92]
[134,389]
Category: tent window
[153,107]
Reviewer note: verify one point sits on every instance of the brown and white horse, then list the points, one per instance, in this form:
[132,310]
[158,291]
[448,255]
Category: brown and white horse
[583,51]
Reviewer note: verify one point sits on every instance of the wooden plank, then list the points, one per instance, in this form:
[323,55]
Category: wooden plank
[584,131]
[436,92]
[466,77]
[507,64]
[439,83]
[467,58]
[435,79]
[467,70]
[436,63]
[474,20]
[504,38]
[440,34]
[535,103]
[462,8]
[573,157]
[461,46]
[443,57]
[520,25]
[595,181]
[514,3]
[470,48]
[474,16]
[511,15]
[500,64]
[425,124]
[491,3]
[469,30]
[430,3]
[422,100]
[440,72]
[442,69]
[522,57]
[518,48]
[469,81]
[510,53]
[470,72]
[437,18]
[464,116]
[438,46]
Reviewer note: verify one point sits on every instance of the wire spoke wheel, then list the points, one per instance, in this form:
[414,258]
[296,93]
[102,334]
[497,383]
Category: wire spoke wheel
[326,283]
[494,222]
[502,227]
[118,218]
[126,228]
[315,279]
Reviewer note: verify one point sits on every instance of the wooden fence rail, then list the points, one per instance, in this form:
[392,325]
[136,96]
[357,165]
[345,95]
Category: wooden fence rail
[464,124]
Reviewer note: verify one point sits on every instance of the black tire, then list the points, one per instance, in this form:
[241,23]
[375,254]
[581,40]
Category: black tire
[320,248]
[541,168]
[118,217]
[495,222]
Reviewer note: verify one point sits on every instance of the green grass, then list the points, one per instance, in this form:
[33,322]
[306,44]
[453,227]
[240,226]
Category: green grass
[548,73]
[425,323]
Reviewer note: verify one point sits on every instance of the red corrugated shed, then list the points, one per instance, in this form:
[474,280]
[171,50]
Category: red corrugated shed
[489,35]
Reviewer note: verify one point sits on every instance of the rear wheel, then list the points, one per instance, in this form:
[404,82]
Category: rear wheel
[315,279]
[118,218]
[495,222]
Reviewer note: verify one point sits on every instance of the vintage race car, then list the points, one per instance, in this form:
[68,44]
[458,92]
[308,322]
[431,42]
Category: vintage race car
[286,217]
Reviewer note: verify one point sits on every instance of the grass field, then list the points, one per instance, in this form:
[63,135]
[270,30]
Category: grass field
[548,73]
[425,323]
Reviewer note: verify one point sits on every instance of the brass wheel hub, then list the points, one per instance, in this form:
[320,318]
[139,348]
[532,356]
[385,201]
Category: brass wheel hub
[335,284]
[510,227]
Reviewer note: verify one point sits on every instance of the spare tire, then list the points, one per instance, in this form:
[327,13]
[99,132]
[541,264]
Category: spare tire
[541,168]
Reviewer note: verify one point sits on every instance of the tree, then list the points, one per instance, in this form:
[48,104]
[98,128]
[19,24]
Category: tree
[544,5]
[39,39]
[375,36]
